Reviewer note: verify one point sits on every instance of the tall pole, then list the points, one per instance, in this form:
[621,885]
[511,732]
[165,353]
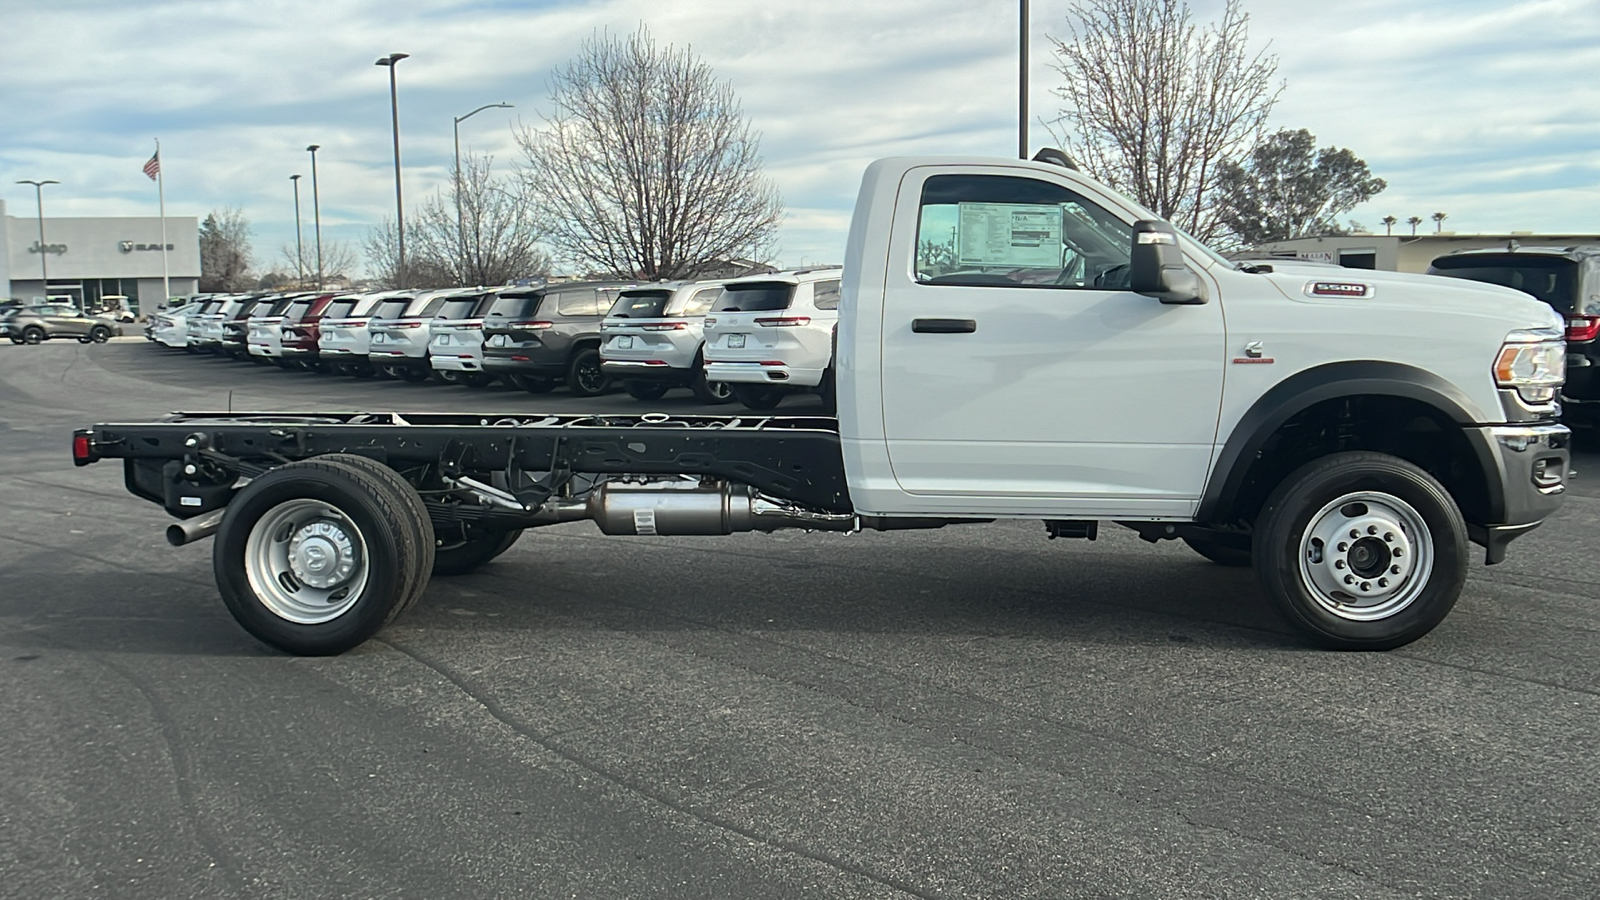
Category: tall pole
[161,198]
[461,230]
[316,211]
[299,250]
[1022,84]
[38,195]
[390,62]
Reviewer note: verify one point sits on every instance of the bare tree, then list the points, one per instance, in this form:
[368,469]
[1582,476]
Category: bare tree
[648,167]
[338,262]
[1154,103]
[382,250]
[495,239]
[225,254]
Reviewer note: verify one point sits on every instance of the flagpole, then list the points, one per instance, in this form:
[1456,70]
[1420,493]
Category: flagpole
[161,193]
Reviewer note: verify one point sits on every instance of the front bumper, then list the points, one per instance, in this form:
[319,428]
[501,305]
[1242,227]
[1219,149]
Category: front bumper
[1531,463]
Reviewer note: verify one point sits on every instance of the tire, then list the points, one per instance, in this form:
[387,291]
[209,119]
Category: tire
[648,391]
[445,377]
[32,335]
[287,524]
[584,375]
[412,374]
[16,340]
[477,379]
[466,556]
[758,396]
[531,384]
[1223,548]
[713,392]
[1335,534]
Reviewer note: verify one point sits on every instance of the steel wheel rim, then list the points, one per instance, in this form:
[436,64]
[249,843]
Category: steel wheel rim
[306,561]
[719,390]
[1366,556]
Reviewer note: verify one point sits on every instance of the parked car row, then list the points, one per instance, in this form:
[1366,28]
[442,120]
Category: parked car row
[755,339]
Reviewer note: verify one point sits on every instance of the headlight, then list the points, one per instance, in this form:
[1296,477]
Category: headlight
[1534,363]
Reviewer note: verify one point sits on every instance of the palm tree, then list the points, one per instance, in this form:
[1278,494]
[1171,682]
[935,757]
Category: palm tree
[1438,221]
[1388,224]
[1414,221]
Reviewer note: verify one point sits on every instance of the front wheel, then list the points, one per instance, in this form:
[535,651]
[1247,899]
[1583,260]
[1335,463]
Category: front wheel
[585,378]
[315,557]
[33,335]
[1362,551]
[100,334]
[758,396]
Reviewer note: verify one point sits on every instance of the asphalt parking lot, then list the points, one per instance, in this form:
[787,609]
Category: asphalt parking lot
[971,712]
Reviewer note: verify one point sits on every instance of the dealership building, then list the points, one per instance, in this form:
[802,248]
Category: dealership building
[90,258]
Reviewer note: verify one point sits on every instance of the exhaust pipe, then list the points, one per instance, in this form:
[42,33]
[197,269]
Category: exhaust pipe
[190,530]
[689,508]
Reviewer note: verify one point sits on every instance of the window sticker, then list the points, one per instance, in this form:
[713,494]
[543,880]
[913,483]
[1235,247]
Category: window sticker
[1009,234]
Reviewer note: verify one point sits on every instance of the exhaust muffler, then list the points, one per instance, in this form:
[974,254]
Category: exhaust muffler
[693,508]
[199,528]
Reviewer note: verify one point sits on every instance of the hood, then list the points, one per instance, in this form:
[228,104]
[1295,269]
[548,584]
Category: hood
[1402,290]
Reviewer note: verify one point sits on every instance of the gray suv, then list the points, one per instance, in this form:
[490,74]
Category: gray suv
[537,337]
[32,324]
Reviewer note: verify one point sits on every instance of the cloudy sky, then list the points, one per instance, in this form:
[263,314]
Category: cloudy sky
[1487,110]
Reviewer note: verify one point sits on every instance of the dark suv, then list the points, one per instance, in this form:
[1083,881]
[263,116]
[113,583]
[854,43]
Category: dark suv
[539,336]
[1567,278]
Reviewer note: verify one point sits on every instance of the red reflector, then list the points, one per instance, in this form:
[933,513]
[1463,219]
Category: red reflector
[1583,328]
[789,321]
[773,362]
[655,362]
[520,358]
[80,448]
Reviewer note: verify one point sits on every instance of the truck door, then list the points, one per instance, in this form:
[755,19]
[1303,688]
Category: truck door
[1019,373]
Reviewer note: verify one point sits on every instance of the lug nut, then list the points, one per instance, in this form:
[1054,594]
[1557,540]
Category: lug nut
[1349,579]
[1338,564]
[1383,582]
[1394,570]
[1366,585]
[1399,552]
[1355,533]
[1388,536]
[1343,547]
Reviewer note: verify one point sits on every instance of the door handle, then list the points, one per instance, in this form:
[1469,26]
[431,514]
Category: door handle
[944,326]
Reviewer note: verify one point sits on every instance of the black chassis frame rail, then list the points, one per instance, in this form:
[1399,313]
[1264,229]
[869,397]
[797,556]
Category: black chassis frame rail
[788,457]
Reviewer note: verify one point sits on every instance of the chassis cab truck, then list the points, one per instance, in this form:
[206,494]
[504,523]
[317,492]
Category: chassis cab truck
[1015,341]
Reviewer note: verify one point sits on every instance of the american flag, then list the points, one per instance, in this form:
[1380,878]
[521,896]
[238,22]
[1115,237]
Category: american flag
[153,167]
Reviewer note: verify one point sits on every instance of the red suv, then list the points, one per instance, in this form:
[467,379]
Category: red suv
[302,326]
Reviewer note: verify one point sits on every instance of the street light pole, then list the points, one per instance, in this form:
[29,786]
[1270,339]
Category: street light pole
[1022,85]
[461,230]
[390,62]
[316,211]
[38,195]
[299,250]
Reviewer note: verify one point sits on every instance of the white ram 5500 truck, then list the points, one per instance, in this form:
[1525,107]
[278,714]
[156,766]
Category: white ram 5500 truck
[1015,341]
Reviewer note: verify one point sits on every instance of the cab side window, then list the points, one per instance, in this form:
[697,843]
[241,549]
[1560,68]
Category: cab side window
[1008,231]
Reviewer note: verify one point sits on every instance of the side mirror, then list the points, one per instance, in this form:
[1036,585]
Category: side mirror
[1156,268]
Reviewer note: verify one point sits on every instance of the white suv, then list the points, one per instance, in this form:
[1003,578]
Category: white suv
[345,338]
[652,337]
[455,350]
[771,335]
[399,346]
